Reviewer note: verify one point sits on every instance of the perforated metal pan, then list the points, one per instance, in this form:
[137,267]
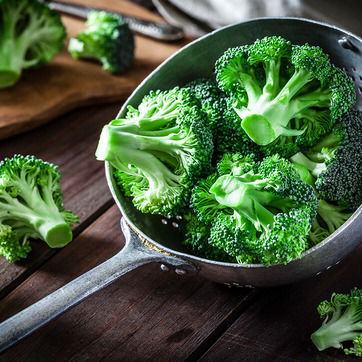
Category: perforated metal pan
[150,238]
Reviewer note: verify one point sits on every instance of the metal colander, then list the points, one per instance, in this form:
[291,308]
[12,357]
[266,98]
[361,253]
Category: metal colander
[150,238]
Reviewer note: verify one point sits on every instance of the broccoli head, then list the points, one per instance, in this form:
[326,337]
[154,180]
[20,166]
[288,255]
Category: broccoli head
[107,39]
[224,123]
[31,34]
[159,150]
[31,206]
[259,212]
[196,238]
[342,323]
[336,162]
[330,216]
[284,90]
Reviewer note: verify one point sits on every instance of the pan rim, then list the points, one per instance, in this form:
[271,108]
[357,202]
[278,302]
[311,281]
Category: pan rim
[190,257]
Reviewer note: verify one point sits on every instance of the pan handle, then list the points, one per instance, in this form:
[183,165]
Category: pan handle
[133,255]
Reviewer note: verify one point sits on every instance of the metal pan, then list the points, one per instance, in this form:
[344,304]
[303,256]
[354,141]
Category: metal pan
[150,238]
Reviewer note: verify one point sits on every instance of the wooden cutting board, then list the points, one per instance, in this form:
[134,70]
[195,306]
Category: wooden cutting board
[48,91]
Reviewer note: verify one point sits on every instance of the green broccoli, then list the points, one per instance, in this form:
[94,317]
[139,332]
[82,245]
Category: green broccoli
[159,150]
[228,136]
[258,212]
[336,162]
[195,237]
[329,216]
[284,90]
[342,322]
[107,39]
[31,206]
[31,34]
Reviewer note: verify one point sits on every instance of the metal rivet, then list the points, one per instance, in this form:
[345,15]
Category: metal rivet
[180,271]
[164,267]
[345,43]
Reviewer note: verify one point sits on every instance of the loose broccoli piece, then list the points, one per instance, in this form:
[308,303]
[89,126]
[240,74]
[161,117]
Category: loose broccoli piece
[195,238]
[259,212]
[31,34]
[107,39]
[284,90]
[224,123]
[336,162]
[342,322]
[31,206]
[159,150]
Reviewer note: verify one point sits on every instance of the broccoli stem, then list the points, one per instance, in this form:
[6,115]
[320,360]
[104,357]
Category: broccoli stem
[334,216]
[131,150]
[14,48]
[10,54]
[244,199]
[295,83]
[338,329]
[268,114]
[44,217]
[313,167]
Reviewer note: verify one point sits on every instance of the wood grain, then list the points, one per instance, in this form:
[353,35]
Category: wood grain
[70,143]
[147,314]
[278,326]
[64,84]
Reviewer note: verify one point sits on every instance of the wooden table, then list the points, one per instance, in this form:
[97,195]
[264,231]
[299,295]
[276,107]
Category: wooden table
[148,314]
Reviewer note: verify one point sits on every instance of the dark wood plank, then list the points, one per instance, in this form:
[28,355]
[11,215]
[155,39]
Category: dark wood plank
[278,326]
[69,142]
[148,314]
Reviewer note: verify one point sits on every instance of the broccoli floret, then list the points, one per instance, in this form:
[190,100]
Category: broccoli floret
[107,39]
[195,237]
[258,211]
[11,246]
[336,162]
[159,150]
[234,235]
[329,216]
[342,322]
[203,202]
[31,35]
[357,347]
[228,136]
[31,206]
[284,90]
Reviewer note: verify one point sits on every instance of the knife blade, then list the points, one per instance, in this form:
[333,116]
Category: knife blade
[153,29]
